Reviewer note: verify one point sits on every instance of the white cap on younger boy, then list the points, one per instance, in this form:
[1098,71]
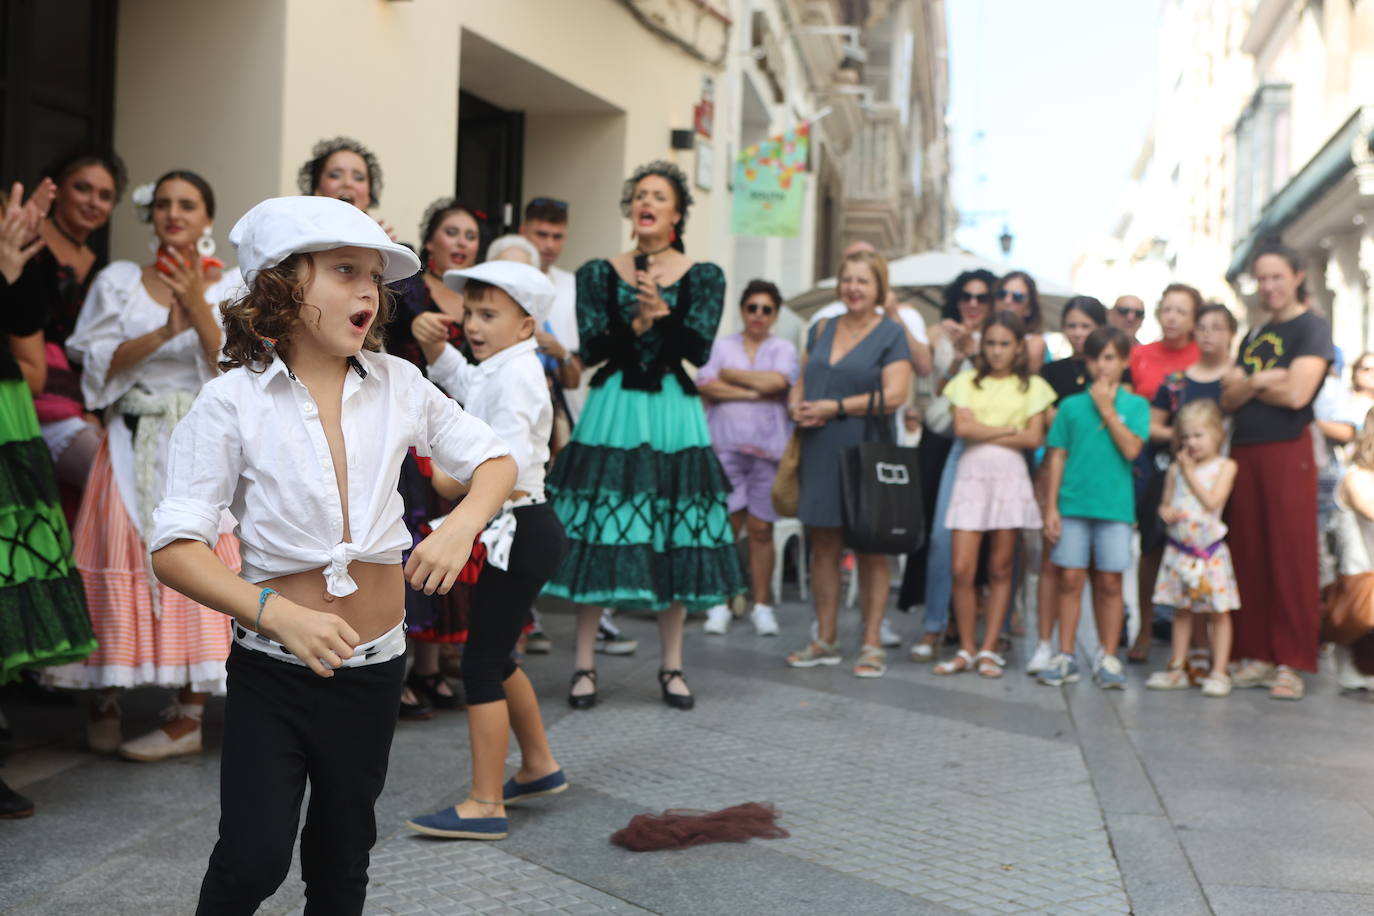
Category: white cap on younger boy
[282,226]
[527,285]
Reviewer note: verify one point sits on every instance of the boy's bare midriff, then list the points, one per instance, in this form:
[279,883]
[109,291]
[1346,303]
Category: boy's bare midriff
[376,607]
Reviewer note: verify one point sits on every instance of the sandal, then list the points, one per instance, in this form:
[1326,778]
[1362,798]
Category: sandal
[817,652]
[872,662]
[962,661]
[1175,677]
[426,689]
[1216,685]
[990,664]
[1287,685]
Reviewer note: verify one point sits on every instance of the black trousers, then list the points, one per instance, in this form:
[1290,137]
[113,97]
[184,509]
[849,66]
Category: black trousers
[501,601]
[284,725]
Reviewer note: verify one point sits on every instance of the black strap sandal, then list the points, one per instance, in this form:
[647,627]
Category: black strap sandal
[583,700]
[675,700]
[427,686]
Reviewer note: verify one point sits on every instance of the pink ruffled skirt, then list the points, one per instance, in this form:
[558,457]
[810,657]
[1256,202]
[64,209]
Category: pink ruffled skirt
[992,491]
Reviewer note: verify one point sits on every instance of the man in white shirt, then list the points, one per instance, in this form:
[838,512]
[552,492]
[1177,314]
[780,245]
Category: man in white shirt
[545,224]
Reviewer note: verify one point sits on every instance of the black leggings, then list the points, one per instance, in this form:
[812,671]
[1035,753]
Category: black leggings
[284,724]
[501,602]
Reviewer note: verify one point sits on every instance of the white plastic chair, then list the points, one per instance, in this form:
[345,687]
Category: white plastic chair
[784,530]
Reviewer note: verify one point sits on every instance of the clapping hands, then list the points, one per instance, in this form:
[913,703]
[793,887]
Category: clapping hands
[19,238]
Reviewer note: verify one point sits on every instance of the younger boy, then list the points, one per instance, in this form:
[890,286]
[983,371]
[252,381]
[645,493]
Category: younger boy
[1090,502]
[503,303]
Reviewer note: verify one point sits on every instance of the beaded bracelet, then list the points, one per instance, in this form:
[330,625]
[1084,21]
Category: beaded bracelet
[262,603]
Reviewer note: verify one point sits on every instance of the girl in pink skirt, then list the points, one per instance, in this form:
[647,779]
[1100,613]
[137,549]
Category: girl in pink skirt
[999,413]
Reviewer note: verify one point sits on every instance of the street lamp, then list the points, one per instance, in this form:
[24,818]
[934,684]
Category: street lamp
[1005,240]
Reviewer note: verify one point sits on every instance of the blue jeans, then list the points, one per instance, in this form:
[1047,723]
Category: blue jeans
[939,557]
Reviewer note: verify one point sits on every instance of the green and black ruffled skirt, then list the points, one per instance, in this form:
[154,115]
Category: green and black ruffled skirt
[42,604]
[642,498]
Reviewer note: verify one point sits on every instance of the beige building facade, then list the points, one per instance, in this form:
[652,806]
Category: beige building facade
[1263,129]
[500,102]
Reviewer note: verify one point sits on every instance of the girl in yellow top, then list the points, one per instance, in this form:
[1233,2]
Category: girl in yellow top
[999,412]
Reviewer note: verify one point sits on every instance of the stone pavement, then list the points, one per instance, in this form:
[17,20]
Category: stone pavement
[909,794]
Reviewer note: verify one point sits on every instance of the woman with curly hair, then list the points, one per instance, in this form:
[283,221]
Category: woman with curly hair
[639,490]
[148,337]
[343,168]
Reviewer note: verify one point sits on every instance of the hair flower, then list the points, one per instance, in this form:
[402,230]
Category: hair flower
[142,198]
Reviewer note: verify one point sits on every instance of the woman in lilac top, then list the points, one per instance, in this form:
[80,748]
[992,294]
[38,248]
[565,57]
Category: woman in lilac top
[745,384]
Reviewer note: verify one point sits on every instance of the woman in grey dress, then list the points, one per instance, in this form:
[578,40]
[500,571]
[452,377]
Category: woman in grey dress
[847,358]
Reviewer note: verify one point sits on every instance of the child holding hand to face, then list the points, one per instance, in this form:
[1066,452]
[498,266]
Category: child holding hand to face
[1196,576]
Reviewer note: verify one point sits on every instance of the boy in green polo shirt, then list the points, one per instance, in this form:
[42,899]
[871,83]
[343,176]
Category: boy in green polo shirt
[1090,502]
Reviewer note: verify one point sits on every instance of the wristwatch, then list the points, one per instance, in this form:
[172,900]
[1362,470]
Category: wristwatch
[839,409]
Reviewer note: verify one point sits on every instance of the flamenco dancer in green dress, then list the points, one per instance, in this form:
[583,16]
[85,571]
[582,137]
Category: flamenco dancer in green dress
[639,490]
[42,604]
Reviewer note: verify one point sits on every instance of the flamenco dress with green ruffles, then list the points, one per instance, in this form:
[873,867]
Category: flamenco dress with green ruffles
[639,490]
[43,617]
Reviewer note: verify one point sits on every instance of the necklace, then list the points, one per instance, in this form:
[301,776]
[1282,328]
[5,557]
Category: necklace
[65,234]
[655,251]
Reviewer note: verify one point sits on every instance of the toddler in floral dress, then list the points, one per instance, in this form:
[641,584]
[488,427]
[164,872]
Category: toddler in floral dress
[1196,576]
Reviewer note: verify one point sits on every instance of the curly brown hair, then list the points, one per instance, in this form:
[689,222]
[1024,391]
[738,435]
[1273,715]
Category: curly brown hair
[263,320]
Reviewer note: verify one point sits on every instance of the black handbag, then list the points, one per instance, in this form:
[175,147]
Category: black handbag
[880,488]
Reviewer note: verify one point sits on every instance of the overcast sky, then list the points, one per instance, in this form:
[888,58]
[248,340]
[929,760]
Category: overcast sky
[1050,102]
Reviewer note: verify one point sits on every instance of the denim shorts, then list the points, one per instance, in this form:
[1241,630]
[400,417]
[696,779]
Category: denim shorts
[1093,542]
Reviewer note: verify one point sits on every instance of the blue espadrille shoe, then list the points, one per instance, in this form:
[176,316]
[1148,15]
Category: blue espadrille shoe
[447,824]
[513,792]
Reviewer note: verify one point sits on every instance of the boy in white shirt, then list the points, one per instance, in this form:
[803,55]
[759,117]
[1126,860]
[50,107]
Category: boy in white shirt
[302,438]
[503,303]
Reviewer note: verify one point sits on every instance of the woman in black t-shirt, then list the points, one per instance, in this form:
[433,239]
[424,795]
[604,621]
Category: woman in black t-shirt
[1273,511]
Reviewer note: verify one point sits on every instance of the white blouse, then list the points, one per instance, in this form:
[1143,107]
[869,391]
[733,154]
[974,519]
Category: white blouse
[253,443]
[118,308]
[509,392]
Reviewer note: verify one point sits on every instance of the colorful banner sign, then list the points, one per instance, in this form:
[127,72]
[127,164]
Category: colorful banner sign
[767,188]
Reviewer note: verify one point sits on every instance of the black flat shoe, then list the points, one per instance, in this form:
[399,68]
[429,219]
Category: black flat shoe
[585,700]
[12,804]
[426,688]
[675,700]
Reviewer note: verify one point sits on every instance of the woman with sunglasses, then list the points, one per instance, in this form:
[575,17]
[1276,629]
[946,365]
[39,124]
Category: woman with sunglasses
[1016,292]
[745,385]
[953,343]
[1151,363]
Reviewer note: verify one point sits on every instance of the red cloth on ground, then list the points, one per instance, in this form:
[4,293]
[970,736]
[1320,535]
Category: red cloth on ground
[1272,518]
[678,828]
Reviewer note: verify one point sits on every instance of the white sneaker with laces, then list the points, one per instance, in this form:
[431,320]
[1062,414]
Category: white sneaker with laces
[1041,658]
[764,621]
[888,637]
[717,620]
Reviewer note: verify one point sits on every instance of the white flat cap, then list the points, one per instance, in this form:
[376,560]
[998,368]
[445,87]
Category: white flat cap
[282,226]
[527,285]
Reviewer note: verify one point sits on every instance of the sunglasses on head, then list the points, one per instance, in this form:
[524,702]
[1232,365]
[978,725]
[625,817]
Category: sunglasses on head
[553,202]
[980,298]
[1125,311]
[1018,298]
[759,308]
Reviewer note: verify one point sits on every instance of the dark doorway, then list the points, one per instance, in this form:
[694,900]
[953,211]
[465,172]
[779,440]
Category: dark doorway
[491,159]
[56,84]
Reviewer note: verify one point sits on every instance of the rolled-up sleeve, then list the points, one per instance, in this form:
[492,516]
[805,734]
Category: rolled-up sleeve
[204,463]
[456,440]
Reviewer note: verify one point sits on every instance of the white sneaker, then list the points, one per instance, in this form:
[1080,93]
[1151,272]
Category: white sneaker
[888,637]
[1041,658]
[717,620]
[764,621]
